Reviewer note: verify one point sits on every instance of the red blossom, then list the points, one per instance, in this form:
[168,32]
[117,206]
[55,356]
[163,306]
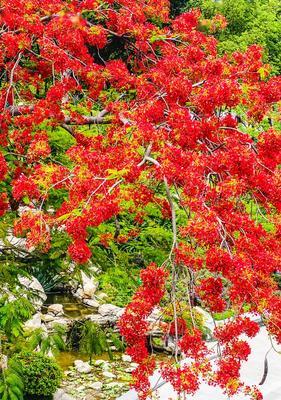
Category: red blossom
[79,251]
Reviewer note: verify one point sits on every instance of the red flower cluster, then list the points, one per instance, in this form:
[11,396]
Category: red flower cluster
[133,325]
[3,203]
[184,379]
[79,251]
[36,228]
[3,167]
[210,291]
[192,344]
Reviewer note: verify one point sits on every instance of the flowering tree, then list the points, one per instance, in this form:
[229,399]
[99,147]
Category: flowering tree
[156,117]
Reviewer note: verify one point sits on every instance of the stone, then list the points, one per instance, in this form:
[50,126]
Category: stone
[3,362]
[113,385]
[155,315]
[47,317]
[91,303]
[82,367]
[62,395]
[96,386]
[60,321]
[99,319]
[55,309]
[89,285]
[106,365]
[34,286]
[108,374]
[102,296]
[34,323]
[129,370]
[98,363]
[126,358]
[111,312]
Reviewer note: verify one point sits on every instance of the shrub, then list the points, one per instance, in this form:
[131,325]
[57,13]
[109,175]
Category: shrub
[41,374]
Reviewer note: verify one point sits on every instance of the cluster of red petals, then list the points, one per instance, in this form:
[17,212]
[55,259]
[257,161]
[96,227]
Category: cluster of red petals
[79,251]
[234,329]
[183,379]
[34,226]
[3,167]
[134,327]
[4,204]
[24,186]
[192,344]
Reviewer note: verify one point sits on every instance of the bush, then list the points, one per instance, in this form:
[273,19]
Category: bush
[41,374]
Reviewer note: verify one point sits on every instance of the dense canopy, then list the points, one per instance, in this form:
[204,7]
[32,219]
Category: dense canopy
[110,107]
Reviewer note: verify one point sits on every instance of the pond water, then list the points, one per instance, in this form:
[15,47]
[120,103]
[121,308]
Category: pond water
[66,359]
[71,306]
[73,309]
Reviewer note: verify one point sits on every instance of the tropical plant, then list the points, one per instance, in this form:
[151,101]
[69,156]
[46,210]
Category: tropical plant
[39,339]
[93,340]
[13,313]
[11,381]
[41,375]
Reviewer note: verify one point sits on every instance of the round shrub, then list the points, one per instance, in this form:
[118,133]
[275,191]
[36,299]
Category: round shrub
[41,374]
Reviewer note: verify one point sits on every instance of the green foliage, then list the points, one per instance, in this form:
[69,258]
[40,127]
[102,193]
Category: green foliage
[41,374]
[119,285]
[223,315]
[54,342]
[249,22]
[13,313]
[183,311]
[93,340]
[11,381]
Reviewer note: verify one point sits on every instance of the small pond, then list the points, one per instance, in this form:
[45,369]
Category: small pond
[66,358]
[71,306]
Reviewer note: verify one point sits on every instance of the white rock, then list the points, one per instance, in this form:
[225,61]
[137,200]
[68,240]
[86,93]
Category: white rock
[112,385]
[61,395]
[3,362]
[33,285]
[106,366]
[82,367]
[96,386]
[126,358]
[55,309]
[129,370]
[155,315]
[47,317]
[99,362]
[60,321]
[108,374]
[110,311]
[91,303]
[99,319]
[34,323]
[89,285]
[102,296]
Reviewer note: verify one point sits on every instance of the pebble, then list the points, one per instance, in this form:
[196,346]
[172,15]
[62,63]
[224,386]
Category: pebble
[108,374]
[126,358]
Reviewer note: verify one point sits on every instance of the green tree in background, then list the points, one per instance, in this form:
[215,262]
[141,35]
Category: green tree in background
[249,21]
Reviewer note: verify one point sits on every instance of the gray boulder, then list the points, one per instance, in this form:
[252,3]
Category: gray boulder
[62,395]
[34,287]
[55,309]
[82,367]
